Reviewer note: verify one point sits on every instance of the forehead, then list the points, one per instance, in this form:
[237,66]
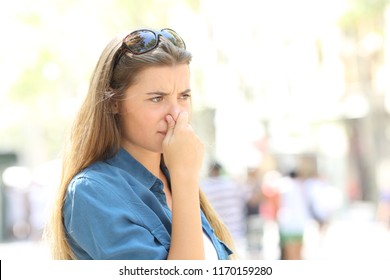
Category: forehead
[163,76]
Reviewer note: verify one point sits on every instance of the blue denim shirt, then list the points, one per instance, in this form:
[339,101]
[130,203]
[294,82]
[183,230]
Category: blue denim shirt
[116,209]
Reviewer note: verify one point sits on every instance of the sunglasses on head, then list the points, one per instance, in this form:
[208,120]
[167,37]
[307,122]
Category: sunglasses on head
[144,40]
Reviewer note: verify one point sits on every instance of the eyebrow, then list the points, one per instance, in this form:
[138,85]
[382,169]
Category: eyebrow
[160,93]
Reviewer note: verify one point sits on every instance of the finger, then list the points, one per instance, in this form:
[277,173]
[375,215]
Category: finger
[182,119]
[171,125]
[171,122]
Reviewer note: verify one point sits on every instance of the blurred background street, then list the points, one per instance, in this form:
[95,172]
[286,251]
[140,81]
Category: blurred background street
[291,98]
[354,236]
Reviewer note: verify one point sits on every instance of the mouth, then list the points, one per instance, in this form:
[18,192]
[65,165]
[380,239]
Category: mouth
[162,132]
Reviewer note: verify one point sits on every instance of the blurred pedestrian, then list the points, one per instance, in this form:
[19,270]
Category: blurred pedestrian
[293,216]
[254,221]
[270,192]
[269,211]
[228,199]
[322,199]
[130,180]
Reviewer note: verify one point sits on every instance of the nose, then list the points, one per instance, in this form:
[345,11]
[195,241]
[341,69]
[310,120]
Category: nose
[174,110]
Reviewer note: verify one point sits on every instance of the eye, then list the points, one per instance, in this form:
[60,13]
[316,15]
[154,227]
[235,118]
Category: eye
[185,96]
[156,99]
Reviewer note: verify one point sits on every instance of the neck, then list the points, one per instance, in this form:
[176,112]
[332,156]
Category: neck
[150,160]
[152,163]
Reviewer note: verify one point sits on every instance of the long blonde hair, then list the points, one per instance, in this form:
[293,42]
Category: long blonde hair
[96,132]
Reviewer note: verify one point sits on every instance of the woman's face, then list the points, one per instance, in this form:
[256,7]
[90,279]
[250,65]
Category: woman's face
[158,91]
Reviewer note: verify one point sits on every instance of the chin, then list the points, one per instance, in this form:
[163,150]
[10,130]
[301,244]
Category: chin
[157,149]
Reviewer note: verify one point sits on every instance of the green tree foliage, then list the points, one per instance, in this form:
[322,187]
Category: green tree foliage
[363,12]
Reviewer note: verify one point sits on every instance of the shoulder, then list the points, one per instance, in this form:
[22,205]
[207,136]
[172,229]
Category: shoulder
[102,173]
[103,182]
[102,191]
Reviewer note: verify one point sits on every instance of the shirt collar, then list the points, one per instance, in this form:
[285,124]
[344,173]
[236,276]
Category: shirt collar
[128,163]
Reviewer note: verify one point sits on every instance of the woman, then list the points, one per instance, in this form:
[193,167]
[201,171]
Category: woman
[129,186]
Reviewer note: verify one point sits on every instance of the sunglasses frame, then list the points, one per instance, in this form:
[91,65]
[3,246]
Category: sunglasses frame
[125,47]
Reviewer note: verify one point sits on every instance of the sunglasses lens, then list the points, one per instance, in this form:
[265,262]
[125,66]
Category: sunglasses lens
[173,37]
[141,41]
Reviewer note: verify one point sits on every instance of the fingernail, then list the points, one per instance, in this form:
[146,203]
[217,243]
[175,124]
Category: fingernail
[168,118]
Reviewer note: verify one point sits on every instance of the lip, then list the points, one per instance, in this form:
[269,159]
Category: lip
[162,132]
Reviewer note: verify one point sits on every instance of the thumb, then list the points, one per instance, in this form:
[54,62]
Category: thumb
[182,119]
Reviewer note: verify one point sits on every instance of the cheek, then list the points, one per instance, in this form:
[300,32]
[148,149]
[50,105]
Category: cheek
[140,121]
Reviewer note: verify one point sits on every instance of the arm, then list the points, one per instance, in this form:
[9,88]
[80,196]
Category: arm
[183,154]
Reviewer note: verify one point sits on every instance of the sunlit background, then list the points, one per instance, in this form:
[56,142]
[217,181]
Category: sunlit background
[272,80]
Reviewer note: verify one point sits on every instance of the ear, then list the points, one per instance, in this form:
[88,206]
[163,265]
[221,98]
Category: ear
[115,107]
